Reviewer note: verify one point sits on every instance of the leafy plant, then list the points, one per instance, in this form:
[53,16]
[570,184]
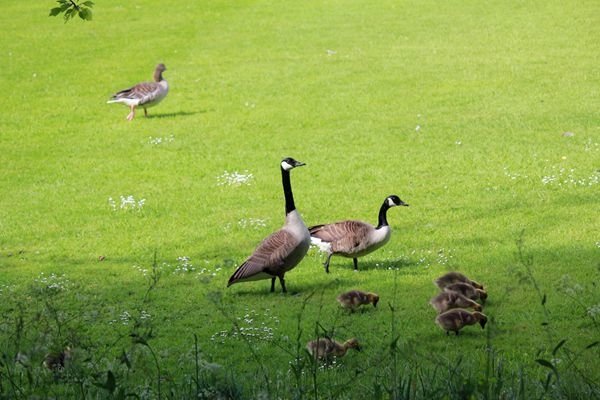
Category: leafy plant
[71,8]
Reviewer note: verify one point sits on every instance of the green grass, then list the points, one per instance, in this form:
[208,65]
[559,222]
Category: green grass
[457,107]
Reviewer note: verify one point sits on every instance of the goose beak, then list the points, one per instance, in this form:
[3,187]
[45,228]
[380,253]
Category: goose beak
[299,164]
[403,204]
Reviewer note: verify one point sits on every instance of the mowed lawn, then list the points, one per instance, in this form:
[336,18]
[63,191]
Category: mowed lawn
[484,117]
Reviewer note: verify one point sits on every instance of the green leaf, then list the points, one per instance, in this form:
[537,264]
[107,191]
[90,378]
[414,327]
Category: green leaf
[549,365]
[88,4]
[70,13]
[125,360]
[111,383]
[55,11]
[394,344]
[558,346]
[85,14]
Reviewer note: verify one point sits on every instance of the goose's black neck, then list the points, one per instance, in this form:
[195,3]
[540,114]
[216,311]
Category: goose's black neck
[383,215]
[287,191]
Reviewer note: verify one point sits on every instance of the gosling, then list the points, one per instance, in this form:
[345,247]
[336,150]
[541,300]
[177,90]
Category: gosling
[454,277]
[467,290]
[456,319]
[56,361]
[449,300]
[353,299]
[325,348]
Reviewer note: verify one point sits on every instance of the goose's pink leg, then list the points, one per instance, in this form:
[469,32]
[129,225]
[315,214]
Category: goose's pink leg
[131,113]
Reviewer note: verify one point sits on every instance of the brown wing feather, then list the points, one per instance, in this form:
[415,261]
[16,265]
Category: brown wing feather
[345,236]
[268,258]
[145,92]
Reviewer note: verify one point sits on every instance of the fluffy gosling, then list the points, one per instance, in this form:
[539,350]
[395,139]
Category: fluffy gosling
[467,290]
[353,299]
[325,348]
[449,300]
[56,361]
[454,277]
[456,319]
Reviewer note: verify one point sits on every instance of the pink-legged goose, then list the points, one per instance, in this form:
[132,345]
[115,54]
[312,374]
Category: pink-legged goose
[145,94]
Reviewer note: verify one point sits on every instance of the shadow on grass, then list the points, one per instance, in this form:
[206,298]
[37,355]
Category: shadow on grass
[176,114]
[346,263]
[294,288]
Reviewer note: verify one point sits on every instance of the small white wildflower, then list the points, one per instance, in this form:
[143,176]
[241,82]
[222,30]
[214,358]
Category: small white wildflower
[255,223]
[594,311]
[126,203]
[234,178]
[161,140]
[53,282]
[125,317]
[144,315]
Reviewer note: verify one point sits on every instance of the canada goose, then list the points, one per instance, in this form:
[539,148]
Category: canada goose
[324,348]
[456,319]
[448,300]
[467,290]
[282,250]
[454,277]
[145,94]
[352,238]
[356,298]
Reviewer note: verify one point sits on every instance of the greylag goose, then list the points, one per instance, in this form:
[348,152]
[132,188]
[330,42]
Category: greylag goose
[351,238]
[282,250]
[145,94]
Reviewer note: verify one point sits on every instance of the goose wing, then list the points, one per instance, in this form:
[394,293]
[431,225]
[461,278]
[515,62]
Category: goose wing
[269,259]
[144,92]
[347,236]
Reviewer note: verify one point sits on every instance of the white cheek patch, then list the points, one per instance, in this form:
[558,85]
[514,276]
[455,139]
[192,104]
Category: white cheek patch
[286,166]
[391,202]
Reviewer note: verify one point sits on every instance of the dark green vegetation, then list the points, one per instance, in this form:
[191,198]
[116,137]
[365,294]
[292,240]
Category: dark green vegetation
[483,117]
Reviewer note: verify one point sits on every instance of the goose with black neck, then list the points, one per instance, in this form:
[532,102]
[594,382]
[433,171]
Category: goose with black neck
[282,250]
[352,238]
